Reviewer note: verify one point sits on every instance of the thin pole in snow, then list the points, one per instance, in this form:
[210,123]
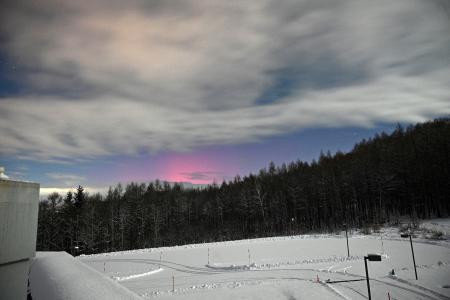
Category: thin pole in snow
[414,259]
[370,257]
[160,259]
[208,256]
[104,267]
[249,256]
[173,284]
[405,235]
[367,277]
[346,237]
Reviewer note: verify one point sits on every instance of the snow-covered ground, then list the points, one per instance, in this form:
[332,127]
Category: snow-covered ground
[294,267]
[57,275]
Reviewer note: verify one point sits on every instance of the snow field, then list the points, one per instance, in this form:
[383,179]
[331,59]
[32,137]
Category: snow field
[284,268]
[125,270]
[57,275]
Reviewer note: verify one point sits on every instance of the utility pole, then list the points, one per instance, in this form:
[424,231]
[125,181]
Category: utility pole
[370,257]
[367,277]
[405,235]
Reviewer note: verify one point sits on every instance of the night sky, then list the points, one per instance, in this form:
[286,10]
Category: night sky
[102,91]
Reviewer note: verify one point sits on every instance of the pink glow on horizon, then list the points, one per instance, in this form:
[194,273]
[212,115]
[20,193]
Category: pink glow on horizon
[200,167]
[197,168]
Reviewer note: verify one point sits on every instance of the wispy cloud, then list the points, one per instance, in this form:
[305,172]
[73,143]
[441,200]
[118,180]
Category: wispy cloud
[67,180]
[199,175]
[109,77]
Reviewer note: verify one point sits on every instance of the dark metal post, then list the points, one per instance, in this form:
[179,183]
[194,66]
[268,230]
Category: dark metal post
[367,277]
[412,251]
[405,235]
[346,236]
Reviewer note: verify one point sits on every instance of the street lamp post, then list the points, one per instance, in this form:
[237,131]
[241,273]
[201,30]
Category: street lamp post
[346,236]
[406,235]
[370,257]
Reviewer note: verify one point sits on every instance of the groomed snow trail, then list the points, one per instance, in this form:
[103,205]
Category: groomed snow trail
[284,268]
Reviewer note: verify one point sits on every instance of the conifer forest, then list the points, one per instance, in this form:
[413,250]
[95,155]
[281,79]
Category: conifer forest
[404,173]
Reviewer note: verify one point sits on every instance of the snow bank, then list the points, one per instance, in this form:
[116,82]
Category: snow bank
[440,225]
[57,275]
[138,275]
[255,266]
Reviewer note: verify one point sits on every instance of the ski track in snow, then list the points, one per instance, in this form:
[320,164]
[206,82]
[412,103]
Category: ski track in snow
[193,270]
[194,277]
[412,288]
[336,291]
[254,266]
[235,284]
[257,280]
[419,287]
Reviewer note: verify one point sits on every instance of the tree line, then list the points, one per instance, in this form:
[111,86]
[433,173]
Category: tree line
[405,173]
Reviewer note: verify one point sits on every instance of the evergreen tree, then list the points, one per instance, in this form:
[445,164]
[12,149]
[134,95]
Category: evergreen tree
[404,173]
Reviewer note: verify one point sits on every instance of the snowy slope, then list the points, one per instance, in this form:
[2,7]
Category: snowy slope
[57,275]
[286,268]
